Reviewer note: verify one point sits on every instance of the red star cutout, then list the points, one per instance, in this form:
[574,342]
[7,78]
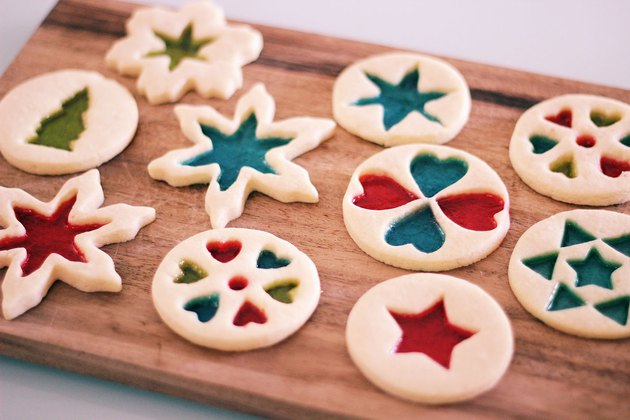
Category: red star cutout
[430,332]
[47,235]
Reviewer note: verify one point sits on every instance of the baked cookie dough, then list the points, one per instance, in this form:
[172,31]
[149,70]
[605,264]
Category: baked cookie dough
[572,271]
[430,338]
[235,289]
[248,153]
[399,98]
[173,52]
[426,207]
[66,121]
[575,148]
[60,240]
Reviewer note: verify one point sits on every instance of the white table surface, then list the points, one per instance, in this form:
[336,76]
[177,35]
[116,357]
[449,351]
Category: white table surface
[586,40]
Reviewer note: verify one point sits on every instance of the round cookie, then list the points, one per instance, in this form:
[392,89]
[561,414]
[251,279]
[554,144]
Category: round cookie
[65,122]
[575,148]
[430,338]
[426,207]
[400,98]
[235,289]
[572,271]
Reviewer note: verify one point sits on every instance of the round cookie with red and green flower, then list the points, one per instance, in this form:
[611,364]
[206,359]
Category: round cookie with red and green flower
[235,289]
[426,207]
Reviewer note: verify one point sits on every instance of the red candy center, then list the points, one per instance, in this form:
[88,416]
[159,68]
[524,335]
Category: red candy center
[586,140]
[238,283]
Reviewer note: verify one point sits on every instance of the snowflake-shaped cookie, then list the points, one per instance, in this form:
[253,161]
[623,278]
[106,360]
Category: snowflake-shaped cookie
[235,289]
[426,207]
[249,153]
[193,48]
[575,148]
[43,242]
[572,271]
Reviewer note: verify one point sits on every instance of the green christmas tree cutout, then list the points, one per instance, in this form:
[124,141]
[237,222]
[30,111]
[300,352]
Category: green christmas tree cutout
[179,49]
[63,127]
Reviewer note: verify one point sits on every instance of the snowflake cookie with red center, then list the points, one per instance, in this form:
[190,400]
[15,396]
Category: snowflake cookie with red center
[173,52]
[248,153]
[399,98]
[430,338]
[572,271]
[575,148]
[66,121]
[235,289]
[42,242]
[426,207]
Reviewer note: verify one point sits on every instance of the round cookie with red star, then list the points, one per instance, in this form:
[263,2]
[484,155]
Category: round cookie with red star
[430,338]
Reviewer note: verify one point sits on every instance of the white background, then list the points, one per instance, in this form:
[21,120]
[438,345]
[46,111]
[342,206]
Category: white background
[585,40]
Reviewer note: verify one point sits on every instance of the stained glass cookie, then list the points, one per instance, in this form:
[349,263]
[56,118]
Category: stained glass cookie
[66,121]
[250,152]
[235,289]
[193,48]
[426,207]
[572,271]
[60,240]
[399,98]
[575,148]
[430,338]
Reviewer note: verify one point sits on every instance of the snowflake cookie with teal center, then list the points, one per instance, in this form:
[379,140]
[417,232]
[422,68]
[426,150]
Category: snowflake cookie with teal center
[575,148]
[193,48]
[235,289]
[399,98]
[572,271]
[249,153]
[426,207]
[66,121]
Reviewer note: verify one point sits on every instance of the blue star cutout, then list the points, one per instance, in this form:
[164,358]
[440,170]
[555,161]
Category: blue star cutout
[594,269]
[234,151]
[401,99]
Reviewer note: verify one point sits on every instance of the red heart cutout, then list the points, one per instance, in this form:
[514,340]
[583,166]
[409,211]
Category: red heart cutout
[612,167]
[563,118]
[247,313]
[224,251]
[472,211]
[381,192]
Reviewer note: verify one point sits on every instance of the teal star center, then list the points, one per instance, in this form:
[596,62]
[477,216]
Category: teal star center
[594,269]
[178,49]
[233,152]
[401,99]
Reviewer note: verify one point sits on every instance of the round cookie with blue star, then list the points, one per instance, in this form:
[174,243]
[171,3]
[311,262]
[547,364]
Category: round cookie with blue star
[430,338]
[235,289]
[572,271]
[426,207]
[247,153]
[400,98]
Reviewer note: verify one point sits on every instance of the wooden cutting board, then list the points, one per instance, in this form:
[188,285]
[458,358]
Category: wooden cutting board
[120,337]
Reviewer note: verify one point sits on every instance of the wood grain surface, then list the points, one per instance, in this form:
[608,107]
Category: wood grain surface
[120,336]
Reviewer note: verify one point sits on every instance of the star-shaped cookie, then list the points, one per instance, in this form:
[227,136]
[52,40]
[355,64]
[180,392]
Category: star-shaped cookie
[248,153]
[42,242]
[173,52]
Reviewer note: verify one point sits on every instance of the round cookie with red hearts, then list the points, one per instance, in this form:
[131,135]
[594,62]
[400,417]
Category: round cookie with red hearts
[426,207]
[235,289]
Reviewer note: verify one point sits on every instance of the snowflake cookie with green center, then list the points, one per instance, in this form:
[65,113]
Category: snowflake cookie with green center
[572,271]
[173,52]
[430,338]
[399,98]
[575,148]
[66,121]
[248,153]
[235,289]
[426,207]
[60,240]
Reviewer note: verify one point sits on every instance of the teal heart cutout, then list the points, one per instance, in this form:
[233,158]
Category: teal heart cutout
[419,229]
[204,306]
[433,175]
[267,259]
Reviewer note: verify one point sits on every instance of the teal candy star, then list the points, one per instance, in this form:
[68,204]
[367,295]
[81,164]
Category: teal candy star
[594,269]
[401,99]
[235,151]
